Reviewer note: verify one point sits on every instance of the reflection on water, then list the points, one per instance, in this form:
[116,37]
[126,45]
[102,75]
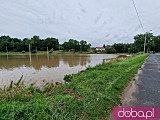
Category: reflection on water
[37,61]
[40,69]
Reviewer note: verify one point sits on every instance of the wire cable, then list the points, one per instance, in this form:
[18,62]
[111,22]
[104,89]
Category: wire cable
[138,15]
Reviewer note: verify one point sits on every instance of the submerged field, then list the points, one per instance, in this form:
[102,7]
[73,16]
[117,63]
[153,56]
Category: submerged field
[43,53]
[90,94]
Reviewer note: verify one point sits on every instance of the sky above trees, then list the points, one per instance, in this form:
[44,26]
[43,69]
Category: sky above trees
[96,21]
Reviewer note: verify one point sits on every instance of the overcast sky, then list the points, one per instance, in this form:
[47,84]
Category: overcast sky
[96,21]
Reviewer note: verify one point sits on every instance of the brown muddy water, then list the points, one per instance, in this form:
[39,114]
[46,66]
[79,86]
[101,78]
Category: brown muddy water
[42,69]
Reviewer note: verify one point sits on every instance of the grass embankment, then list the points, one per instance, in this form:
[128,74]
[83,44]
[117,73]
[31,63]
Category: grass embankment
[91,94]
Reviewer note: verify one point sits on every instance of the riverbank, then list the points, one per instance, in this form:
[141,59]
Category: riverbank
[90,94]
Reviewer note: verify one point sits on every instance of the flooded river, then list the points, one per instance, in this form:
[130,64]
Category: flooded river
[42,69]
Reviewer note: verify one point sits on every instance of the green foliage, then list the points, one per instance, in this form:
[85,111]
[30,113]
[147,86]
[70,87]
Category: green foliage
[51,43]
[36,43]
[138,45]
[110,49]
[119,47]
[84,46]
[17,45]
[74,45]
[156,44]
[91,95]
[152,44]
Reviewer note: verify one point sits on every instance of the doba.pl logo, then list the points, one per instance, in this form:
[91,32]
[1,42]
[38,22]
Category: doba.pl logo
[136,113]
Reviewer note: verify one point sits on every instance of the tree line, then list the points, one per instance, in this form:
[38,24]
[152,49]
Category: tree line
[37,44]
[152,44]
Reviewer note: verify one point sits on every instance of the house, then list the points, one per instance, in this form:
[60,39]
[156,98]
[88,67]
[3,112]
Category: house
[100,48]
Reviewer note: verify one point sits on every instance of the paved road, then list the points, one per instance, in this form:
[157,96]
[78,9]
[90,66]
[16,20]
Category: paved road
[145,90]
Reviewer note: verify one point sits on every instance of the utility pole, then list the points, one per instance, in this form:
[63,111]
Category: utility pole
[7,49]
[145,42]
[30,54]
[29,49]
[47,50]
[7,52]
[145,39]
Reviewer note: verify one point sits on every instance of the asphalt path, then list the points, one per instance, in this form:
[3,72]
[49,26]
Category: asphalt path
[145,89]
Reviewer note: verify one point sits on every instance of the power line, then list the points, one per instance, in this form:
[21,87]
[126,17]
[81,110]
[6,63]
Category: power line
[138,15]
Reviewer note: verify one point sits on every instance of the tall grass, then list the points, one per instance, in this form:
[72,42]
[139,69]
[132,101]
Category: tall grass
[90,95]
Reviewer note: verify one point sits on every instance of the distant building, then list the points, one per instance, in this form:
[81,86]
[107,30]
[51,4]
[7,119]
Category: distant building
[100,48]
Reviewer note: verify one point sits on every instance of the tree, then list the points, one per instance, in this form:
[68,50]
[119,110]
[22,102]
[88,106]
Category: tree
[66,46]
[156,43]
[139,41]
[109,49]
[132,49]
[119,47]
[75,45]
[25,44]
[15,44]
[35,41]
[104,45]
[51,43]
[84,46]
[151,45]
[127,47]
[5,43]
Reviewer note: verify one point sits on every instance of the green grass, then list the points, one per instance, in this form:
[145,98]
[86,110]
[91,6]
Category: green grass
[91,94]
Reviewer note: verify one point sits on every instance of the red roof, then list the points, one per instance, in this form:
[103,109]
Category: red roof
[100,47]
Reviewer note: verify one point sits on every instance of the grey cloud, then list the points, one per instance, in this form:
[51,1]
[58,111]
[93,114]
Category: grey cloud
[105,21]
[82,8]
[97,18]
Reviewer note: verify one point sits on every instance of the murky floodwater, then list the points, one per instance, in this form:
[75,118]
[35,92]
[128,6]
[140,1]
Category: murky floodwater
[42,69]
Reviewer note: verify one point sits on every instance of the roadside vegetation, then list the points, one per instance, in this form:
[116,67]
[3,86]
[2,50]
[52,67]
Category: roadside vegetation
[88,95]
[152,44]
